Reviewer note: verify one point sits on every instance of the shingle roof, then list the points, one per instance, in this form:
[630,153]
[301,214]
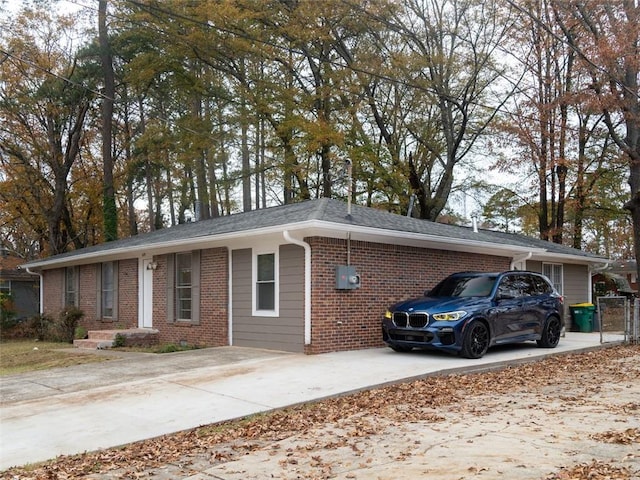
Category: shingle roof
[322,210]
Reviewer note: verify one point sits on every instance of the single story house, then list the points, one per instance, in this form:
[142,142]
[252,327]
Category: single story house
[309,277]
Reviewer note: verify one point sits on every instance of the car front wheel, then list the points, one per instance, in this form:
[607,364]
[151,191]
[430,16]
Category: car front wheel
[550,334]
[476,340]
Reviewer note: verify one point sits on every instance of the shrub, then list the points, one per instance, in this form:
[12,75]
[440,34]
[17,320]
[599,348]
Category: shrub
[68,322]
[7,312]
[119,341]
[40,327]
[80,333]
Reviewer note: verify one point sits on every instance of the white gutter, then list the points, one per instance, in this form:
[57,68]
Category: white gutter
[307,283]
[311,227]
[41,289]
[520,258]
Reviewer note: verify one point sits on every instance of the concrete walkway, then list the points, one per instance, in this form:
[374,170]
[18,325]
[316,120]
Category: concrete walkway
[138,396]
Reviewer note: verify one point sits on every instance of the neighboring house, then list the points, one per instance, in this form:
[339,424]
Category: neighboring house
[619,278]
[310,277]
[21,287]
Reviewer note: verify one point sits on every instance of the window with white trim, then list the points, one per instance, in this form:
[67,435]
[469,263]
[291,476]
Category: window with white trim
[5,286]
[554,272]
[265,285]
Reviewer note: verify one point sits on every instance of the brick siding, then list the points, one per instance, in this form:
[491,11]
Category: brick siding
[341,319]
[351,319]
[53,291]
[212,329]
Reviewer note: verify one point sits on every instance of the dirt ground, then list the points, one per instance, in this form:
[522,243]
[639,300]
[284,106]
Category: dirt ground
[569,417]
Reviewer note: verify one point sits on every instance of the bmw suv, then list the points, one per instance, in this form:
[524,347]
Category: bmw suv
[469,312]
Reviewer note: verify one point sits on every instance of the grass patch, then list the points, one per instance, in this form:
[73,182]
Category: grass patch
[28,355]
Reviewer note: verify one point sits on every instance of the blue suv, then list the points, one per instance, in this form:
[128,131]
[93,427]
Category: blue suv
[469,312]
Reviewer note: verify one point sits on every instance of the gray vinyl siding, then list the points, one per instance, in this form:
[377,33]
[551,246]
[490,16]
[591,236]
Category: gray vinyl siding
[284,332]
[575,284]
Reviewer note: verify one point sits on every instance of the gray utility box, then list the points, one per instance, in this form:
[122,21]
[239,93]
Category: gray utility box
[347,278]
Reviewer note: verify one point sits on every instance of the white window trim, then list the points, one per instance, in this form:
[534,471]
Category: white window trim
[552,265]
[254,280]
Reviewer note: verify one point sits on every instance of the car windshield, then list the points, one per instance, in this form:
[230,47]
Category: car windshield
[461,286]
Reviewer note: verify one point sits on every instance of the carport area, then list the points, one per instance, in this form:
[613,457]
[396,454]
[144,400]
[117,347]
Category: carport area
[141,396]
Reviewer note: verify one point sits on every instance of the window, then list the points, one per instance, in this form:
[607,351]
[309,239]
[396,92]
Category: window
[108,289]
[5,286]
[265,298]
[553,271]
[71,286]
[511,286]
[183,286]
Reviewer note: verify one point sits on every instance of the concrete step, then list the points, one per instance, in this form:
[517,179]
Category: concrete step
[102,334]
[99,339]
[92,344]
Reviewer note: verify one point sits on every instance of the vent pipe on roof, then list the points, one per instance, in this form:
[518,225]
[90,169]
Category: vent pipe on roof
[198,210]
[349,173]
[474,220]
[412,200]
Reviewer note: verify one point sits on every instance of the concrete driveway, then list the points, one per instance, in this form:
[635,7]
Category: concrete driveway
[138,396]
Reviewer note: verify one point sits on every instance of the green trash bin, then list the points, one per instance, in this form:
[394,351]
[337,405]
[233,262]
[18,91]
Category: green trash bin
[582,315]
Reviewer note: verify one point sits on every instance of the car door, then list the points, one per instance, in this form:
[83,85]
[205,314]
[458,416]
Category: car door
[530,322]
[507,310]
[544,302]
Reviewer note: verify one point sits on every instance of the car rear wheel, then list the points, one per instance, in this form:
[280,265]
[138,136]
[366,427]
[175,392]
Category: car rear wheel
[476,340]
[401,348]
[550,334]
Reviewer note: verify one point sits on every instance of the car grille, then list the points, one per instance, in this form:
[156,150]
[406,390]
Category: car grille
[414,337]
[413,320]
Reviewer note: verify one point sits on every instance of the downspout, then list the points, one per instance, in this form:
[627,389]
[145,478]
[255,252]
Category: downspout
[41,289]
[307,283]
[520,258]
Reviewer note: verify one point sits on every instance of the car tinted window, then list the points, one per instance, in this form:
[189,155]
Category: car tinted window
[510,287]
[462,286]
[529,287]
[542,287]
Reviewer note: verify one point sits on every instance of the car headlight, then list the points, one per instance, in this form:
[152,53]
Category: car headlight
[449,316]
[388,315]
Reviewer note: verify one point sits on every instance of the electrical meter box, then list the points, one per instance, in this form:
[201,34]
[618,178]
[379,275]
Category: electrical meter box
[347,278]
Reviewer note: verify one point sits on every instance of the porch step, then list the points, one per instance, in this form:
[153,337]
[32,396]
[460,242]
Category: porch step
[100,339]
[92,344]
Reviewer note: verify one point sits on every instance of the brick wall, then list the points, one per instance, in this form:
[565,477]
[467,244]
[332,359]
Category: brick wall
[127,315]
[88,297]
[53,291]
[351,319]
[212,330]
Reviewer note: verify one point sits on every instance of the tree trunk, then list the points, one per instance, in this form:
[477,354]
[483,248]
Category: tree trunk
[110,213]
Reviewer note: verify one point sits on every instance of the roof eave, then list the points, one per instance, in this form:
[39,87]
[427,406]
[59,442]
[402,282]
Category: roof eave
[308,228]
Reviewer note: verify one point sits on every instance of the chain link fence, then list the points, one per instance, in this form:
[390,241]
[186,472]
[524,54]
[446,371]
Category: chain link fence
[618,316]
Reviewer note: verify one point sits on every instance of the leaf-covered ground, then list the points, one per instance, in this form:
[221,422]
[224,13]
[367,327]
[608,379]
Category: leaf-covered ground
[569,417]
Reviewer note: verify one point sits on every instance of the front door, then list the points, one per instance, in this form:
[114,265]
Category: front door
[145,314]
